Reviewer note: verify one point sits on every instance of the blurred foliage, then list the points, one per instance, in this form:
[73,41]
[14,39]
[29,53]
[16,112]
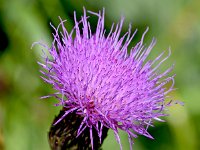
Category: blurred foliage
[25,120]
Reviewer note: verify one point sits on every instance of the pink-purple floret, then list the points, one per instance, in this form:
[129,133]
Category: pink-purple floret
[95,76]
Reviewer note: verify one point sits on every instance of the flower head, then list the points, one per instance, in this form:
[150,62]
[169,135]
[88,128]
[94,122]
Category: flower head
[96,77]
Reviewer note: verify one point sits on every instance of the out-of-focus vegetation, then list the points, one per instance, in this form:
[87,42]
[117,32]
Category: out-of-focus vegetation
[25,120]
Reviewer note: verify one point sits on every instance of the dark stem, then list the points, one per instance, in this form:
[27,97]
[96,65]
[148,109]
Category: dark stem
[62,136]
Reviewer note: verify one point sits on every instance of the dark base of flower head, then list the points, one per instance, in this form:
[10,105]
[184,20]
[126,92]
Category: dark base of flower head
[62,136]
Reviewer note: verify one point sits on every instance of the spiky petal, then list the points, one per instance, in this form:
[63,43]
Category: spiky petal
[95,77]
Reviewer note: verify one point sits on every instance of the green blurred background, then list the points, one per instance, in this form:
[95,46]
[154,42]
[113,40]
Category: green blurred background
[25,120]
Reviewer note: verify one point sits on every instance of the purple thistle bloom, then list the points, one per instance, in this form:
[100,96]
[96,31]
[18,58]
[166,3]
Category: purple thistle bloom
[95,77]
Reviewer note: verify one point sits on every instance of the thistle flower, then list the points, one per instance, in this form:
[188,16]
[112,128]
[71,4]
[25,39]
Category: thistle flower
[96,78]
